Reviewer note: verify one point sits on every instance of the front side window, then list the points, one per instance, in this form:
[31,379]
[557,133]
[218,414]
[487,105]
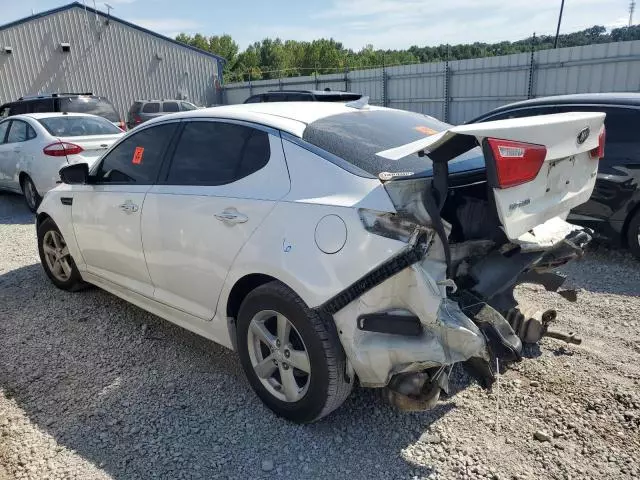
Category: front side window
[136,159]
[18,132]
[216,153]
[170,107]
[151,107]
[357,136]
[78,126]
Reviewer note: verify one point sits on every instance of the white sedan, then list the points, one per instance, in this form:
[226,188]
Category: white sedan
[34,147]
[330,242]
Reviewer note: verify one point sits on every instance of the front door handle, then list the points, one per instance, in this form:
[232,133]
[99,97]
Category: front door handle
[231,215]
[128,207]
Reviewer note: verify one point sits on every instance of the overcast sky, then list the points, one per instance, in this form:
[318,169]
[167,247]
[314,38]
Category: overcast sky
[355,23]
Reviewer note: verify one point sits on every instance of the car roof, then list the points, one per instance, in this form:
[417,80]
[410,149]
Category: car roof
[291,117]
[622,98]
[38,116]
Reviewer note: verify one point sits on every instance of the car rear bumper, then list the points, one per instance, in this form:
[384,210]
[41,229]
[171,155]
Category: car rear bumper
[453,327]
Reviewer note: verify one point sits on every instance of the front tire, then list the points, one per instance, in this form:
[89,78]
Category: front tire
[633,235]
[31,195]
[293,360]
[56,259]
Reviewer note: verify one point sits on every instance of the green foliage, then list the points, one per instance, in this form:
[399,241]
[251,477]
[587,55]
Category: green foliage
[275,59]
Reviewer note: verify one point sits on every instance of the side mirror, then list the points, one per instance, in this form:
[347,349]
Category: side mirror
[76,174]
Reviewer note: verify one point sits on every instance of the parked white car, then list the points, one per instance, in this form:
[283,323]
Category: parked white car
[327,242]
[33,148]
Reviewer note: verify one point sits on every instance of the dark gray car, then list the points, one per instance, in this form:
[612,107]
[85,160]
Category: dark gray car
[143,110]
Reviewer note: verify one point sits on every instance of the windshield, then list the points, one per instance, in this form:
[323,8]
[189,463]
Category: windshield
[357,136]
[65,126]
[93,105]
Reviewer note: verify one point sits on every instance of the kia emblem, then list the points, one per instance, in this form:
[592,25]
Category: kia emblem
[583,135]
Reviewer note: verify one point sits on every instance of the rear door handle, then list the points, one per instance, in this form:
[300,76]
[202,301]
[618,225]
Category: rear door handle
[231,215]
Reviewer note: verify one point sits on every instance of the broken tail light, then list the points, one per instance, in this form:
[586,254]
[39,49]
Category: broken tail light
[516,162]
[598,152]
[62,149]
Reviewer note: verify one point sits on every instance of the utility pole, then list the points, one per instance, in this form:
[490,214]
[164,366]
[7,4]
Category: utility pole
[555,43]
[632,7]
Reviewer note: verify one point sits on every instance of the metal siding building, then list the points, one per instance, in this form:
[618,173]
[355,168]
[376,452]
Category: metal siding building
[107,56]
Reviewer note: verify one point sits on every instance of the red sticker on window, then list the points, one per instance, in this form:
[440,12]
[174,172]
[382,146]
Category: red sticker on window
[137,156]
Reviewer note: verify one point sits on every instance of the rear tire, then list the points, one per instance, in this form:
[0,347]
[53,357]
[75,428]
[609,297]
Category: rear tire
[270,358]
[633,235]
[56,259]
[31,196]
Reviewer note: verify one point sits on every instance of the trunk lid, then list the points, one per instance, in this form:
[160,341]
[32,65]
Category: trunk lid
[564,180]
[93,146]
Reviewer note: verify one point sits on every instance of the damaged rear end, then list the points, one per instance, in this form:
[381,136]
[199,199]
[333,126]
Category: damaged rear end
[488,215]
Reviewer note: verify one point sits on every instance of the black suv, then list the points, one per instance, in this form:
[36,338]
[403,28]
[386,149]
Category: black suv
[614,207]
[64,102]
[303,96]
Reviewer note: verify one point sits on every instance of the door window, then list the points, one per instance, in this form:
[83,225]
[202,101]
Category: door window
[3,131]
[216,153]
[40,106]
[138,158]
[170,107]
[152,107]
[187,106]
[18,108]
[18,132]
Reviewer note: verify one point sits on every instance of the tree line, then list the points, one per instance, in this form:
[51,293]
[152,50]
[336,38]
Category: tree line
[271,58]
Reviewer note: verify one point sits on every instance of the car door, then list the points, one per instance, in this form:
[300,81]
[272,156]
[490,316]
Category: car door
[223,180]
[106,212]
[4,154]
[21,154]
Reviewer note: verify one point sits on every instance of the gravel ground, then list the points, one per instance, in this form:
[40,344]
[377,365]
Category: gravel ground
[93,388]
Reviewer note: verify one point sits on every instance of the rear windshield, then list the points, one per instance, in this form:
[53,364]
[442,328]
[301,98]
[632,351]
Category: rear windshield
[135,108]
[93,105]
[357,136]
[78,126]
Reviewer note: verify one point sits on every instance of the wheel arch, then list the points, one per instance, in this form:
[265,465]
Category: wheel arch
[241,288]
[635,210]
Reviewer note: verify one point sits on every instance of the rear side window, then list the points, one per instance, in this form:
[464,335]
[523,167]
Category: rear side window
[170,107]
[151,107]
[357,136]
[93,105]
[138,158]
[135,108]
[215,153]
[78,126]
[41,106]
[18,108]
[4,112]
[187,106]
[254,99]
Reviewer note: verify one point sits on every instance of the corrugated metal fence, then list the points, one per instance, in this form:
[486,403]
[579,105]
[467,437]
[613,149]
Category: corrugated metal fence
[460,90]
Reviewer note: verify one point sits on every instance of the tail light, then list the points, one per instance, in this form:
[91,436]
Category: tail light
[137,119]
[62,149]
[598,152]
[122,126]
[516,162]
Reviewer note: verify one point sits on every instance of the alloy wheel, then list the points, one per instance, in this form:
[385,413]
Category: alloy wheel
[56,255]
[279,356]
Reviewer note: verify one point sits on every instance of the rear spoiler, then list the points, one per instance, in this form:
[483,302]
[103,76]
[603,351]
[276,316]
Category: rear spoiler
[440,146]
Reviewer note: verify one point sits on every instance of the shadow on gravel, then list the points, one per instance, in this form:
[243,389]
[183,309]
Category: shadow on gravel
[13,210]
[142,398]
[610,270]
